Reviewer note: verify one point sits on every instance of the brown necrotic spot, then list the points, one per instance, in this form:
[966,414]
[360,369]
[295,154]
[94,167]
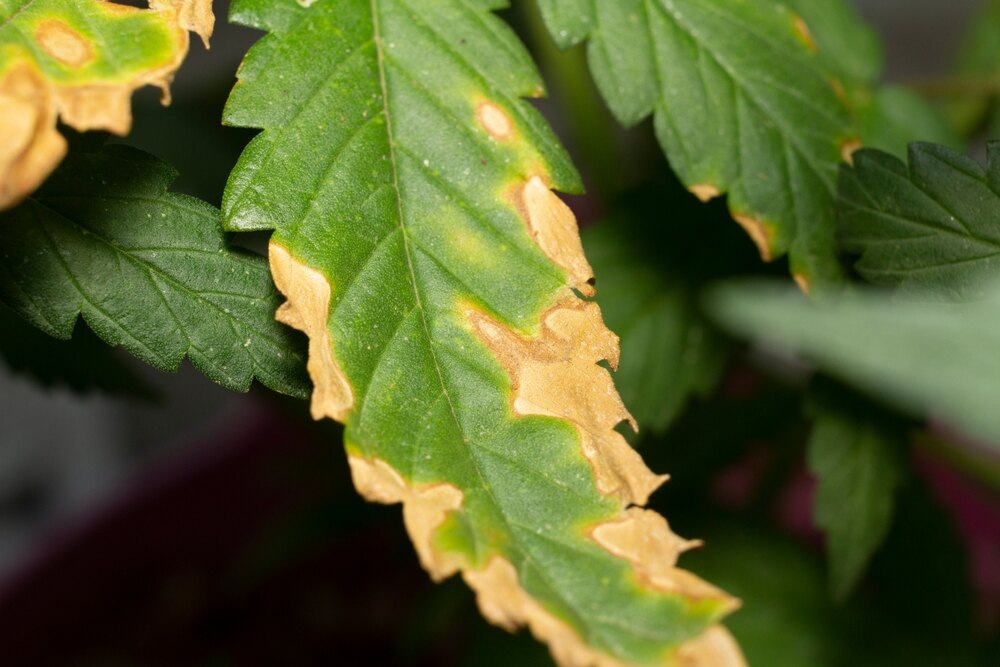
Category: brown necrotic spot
[759,233]
[63,43]
[704,191]
[495,121]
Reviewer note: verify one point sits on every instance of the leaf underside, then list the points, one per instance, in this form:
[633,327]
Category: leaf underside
[933,229]
[741,105]
[79,61]
[148,270]
[420,246]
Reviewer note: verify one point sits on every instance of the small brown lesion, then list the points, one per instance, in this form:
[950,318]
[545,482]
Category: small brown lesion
[803,33]
[847,149]
[759,233]
[63,43]
[495,121]
[705,191]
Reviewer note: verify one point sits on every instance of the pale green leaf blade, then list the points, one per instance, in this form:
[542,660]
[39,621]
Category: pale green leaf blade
[420,246]
[78,61]
[856,456]
[932,228]
[146,269]
[933,359]
[741,105]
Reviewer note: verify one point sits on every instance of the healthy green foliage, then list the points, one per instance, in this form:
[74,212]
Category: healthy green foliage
[740,103]
[932,229]
[934,359]
[856,455]
[147,270]
[407,184]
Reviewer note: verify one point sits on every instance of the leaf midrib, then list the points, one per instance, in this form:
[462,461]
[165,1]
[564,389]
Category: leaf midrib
[393,161]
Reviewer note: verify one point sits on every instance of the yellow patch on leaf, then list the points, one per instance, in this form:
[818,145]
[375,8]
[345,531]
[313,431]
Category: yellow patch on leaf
[30,104]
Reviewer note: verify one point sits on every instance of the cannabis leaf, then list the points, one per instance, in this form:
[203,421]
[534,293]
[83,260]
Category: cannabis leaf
[421,248]
[740,103]
[147,269]
[855,454]
[935,359]
[83,363]
[79,61]
[931,229]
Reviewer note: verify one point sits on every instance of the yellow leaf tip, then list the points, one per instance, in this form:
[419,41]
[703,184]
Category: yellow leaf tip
[759,233]
[705,191]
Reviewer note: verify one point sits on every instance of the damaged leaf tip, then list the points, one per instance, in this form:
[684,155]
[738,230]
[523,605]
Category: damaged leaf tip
[55,66]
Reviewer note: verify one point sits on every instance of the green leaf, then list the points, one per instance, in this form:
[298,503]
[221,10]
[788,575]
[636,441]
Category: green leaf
[935,359]
[147,269]
[79,61]
[855,453]
[83,364]
[845,45]
[932,229]
[895,117]
[740,103]
[420,246]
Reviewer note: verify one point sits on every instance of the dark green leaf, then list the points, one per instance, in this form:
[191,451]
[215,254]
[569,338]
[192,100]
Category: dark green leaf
[741,105]
[932,229]
[83,364]
[147,270]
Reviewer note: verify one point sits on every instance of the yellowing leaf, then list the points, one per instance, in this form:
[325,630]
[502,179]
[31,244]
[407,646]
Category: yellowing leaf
[443,286]
[79,61]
